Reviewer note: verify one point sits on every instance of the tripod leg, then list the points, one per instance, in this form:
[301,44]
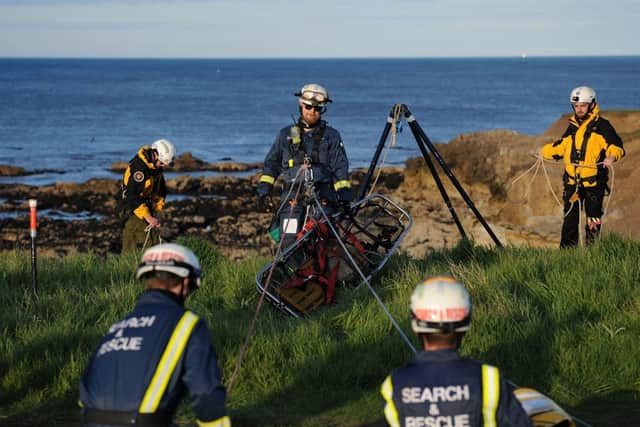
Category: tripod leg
[366,182]
[438,181]
[414,125]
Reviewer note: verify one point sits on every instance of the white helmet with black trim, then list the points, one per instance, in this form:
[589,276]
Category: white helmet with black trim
[440,304]
[313,94]
[166,151]
[171,258]
[582,94]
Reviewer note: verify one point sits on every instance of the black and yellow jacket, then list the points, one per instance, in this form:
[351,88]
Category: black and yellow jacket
[583,146]
[143,186]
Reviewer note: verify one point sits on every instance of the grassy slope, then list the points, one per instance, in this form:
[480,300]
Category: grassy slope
[564,322]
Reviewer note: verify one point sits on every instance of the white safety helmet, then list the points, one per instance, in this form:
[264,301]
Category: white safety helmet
[166,151]
[440,304]
[313,94]
[582,94]
[171,258]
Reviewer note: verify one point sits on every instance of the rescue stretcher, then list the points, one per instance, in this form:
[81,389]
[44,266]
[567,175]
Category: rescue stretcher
[310,271]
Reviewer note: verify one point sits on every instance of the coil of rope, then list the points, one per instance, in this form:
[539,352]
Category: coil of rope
[540,164]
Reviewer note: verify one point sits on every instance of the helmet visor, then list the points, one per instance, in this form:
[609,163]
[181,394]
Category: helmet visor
[315,98]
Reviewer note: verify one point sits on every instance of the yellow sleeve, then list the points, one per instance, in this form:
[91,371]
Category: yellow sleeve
[142,211]
[554,150]
[615,151]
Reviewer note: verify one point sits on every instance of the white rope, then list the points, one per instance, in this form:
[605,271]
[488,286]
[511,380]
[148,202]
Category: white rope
[147,231]
[540,161]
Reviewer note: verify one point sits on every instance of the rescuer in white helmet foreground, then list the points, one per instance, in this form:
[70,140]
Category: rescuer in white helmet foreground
[143,194]
[147,362]
[588,147]
[309,141]
[439,387]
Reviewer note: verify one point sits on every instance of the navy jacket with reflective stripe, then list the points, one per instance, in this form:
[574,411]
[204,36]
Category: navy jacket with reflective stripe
[123,364]
[444,384]
[332,165]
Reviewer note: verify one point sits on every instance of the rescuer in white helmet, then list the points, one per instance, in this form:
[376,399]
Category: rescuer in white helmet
[439,387]
[309,141]
[143,194]
[160,352]
[588,148]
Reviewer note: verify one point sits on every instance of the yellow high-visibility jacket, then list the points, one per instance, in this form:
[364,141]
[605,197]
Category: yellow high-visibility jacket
[583,146]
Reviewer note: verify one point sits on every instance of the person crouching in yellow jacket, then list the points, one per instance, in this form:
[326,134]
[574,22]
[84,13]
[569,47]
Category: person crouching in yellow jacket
[588,147]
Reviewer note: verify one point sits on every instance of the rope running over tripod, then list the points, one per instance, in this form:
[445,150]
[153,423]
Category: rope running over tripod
[397,113]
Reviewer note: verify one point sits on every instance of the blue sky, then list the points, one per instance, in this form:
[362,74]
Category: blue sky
[322,28]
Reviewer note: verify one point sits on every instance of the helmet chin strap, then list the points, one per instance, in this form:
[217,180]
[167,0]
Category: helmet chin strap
[182,296]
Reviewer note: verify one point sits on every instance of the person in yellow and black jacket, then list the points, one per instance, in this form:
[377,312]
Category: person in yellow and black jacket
[143,194]
[588,147]
[149,361]
[309,141]
[438,387]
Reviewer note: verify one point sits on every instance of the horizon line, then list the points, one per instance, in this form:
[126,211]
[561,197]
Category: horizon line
[520,57]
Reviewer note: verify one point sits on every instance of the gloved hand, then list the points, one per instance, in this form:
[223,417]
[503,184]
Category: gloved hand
[265,204]
[264,189]
[345,197]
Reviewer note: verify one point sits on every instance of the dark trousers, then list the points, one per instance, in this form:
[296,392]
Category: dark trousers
[591,199]
[134,235]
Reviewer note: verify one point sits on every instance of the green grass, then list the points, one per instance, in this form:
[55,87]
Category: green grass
[564,322]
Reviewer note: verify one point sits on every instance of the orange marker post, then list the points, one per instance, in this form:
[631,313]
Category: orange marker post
[33,204]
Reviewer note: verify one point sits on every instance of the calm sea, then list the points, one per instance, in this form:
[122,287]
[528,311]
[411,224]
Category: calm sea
[77,117]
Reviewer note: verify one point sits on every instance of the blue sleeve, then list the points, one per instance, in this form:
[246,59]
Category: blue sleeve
[273,160]
[202,377]
[339,163]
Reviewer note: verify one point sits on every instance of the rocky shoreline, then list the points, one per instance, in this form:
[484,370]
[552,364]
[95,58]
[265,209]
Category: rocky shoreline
[223,209]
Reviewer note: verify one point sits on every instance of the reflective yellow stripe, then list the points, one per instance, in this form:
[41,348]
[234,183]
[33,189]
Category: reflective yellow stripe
[341,184]
[290,163]
[268,179]
[490,394]
[220,422]
[167,364]
[390,411]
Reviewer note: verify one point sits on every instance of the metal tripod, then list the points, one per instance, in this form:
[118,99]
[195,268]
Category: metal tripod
[426,146]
